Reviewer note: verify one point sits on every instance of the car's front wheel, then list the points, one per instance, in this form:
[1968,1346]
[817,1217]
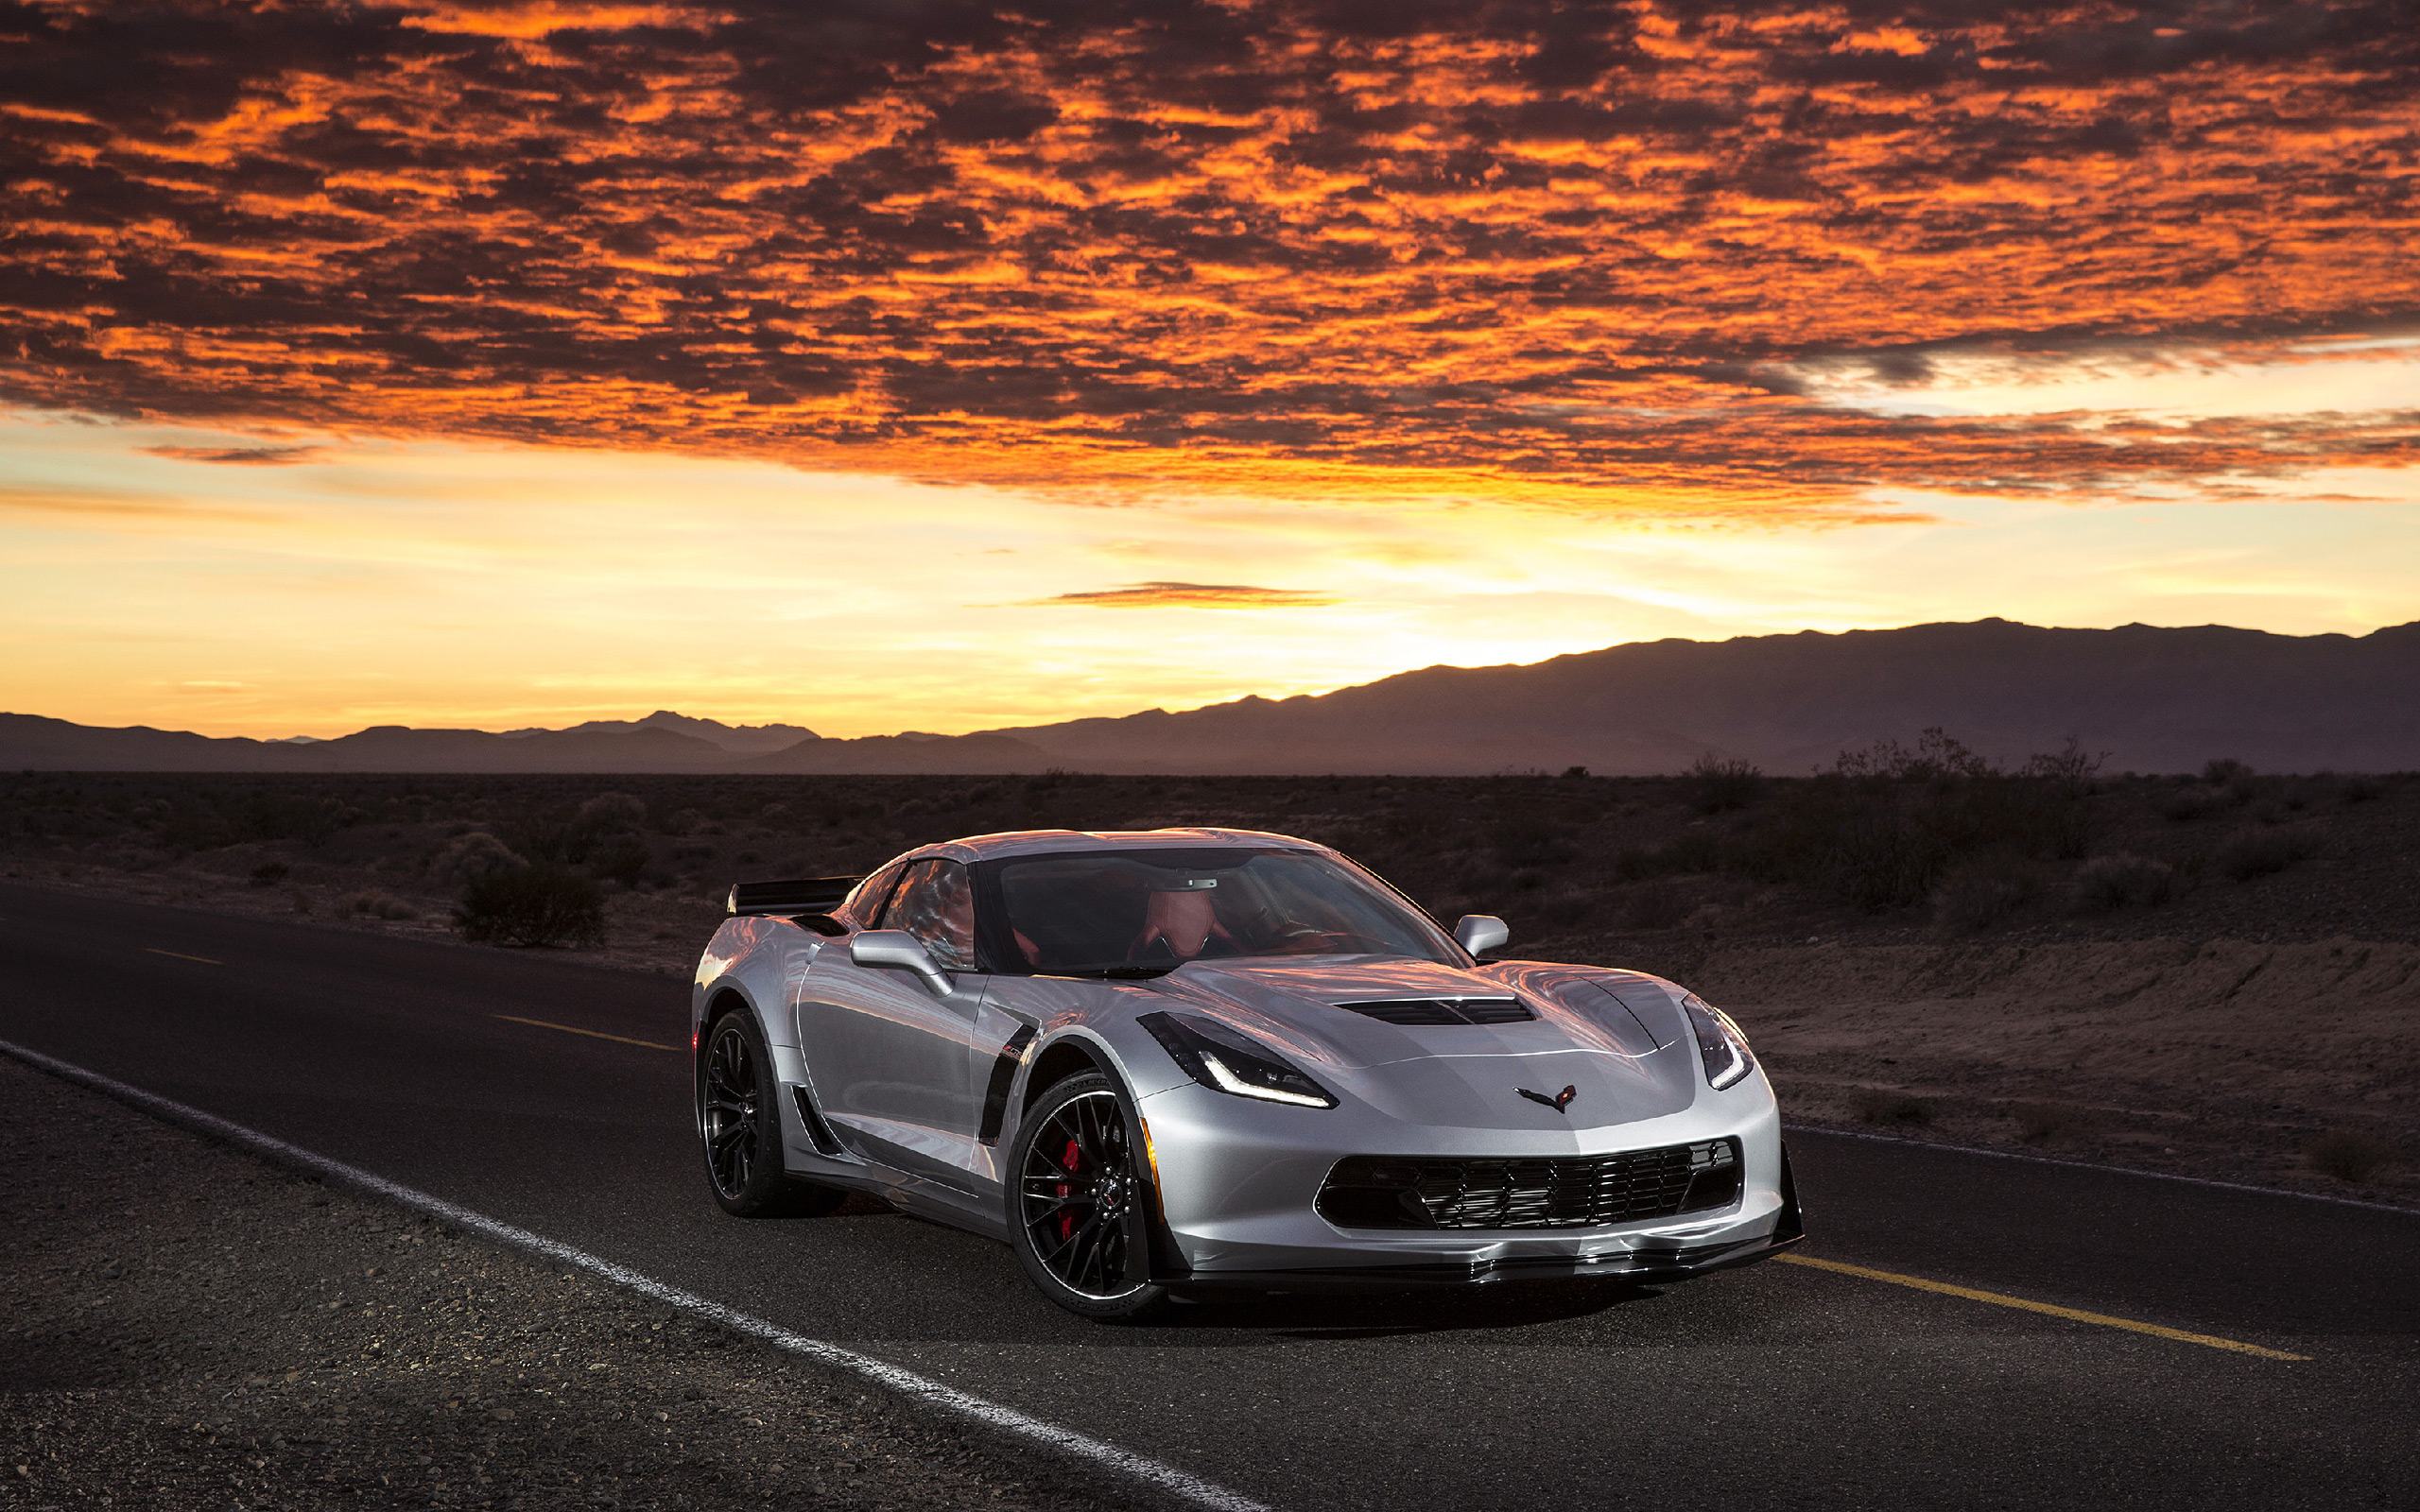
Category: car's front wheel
[1080,1205]
[739,1128]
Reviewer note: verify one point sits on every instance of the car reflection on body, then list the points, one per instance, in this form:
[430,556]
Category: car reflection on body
[1186,1061]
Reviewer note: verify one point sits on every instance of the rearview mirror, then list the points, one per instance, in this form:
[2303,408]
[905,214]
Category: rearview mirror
[896,947]
[1480,933]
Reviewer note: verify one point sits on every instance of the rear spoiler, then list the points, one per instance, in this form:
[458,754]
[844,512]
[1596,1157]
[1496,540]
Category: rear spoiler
[801,895]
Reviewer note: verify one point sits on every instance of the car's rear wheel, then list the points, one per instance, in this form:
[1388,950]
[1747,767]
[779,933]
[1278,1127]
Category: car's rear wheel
[739,1128]
[1081,1205]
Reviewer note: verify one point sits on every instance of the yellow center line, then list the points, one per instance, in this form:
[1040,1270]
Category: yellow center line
[2073,1314]
[181,955]
[617,1039]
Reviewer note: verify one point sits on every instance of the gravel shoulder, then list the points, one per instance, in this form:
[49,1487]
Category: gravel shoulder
[185,1325]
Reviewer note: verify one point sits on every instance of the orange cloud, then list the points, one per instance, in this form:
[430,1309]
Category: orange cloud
[1509,250]
[1194,595]
[241,455]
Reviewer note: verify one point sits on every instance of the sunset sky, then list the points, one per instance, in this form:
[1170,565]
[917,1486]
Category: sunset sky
[940,367]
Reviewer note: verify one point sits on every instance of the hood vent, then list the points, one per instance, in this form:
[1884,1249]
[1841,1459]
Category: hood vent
[1443,1010]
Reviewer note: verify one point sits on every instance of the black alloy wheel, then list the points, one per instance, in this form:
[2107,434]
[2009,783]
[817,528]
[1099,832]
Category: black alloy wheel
[739,1128]
[1082,1203]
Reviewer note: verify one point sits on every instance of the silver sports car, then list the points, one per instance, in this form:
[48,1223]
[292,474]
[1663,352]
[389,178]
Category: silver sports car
[1174,1061]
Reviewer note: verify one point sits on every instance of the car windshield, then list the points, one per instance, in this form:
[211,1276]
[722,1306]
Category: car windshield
[1143,911]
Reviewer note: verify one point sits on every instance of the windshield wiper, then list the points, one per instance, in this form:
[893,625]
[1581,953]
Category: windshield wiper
[1126,972]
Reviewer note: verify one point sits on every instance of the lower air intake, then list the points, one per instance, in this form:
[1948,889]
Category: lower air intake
[1562,1192]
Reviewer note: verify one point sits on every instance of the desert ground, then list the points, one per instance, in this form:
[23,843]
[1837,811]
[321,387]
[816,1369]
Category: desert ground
[2214,975]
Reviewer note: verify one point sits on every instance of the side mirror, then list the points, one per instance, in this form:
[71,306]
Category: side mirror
[896,947]
[1481,934]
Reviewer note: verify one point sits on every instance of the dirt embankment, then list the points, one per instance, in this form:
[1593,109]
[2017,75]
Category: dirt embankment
[183,1327]
[2224,1058]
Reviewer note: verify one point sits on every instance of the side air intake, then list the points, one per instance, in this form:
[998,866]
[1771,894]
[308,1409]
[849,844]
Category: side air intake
[801,895]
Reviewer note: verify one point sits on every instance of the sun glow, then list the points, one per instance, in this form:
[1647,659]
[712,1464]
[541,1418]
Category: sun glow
[436,583]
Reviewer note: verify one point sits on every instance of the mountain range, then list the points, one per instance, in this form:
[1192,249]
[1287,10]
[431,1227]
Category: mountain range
[740,740]
[2152,698]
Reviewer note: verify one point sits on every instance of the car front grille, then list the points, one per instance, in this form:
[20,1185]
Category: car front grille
[1557,1192]
[1443,1010]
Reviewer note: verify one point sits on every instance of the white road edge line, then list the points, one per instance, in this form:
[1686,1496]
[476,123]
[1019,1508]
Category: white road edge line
[2093,1165]
[907,1383]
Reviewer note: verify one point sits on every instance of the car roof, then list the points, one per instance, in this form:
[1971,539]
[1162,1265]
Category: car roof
[1059,842]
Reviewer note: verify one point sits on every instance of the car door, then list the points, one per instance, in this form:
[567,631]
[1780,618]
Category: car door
[888,1058]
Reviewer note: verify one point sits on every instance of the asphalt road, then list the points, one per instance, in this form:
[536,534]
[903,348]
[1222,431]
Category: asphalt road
[1783,1385]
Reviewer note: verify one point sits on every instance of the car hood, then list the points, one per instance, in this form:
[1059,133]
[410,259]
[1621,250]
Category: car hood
[1617,1038]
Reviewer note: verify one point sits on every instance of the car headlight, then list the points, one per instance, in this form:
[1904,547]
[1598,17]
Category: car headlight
[1720,1045]
[1218,1058]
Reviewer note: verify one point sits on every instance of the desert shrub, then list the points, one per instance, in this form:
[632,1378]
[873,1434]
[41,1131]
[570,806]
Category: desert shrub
[2036,1122]
[269,873]
[1888,854]
[2359,790]
[2106,884]
[1937,756]
[621,858]
[1984,894]
[1888,825]
[610,811]
[262,814]
[1656,904]
[470,856]
[1691,851]
[2070,766]
[2350,1155]
[1719,783]
[1880,1104]
[532,905]
[1534,842]
[375,906]
[2191,804]
[2222,770]
[2260,853]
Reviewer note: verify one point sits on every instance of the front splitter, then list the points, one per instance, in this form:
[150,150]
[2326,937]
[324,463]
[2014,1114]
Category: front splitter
[1644,1265]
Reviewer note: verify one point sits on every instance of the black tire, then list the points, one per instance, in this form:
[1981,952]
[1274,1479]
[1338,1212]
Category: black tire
[739,1128]
[1081,1202]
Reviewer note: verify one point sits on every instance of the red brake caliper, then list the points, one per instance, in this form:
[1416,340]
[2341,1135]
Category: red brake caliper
[1066,1215]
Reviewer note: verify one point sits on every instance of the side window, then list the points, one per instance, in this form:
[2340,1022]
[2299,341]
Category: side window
[866,900]
[936,904]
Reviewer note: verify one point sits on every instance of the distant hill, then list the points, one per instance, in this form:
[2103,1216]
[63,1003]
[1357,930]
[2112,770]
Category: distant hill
[2155,699]
[740,740]
[29,741]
